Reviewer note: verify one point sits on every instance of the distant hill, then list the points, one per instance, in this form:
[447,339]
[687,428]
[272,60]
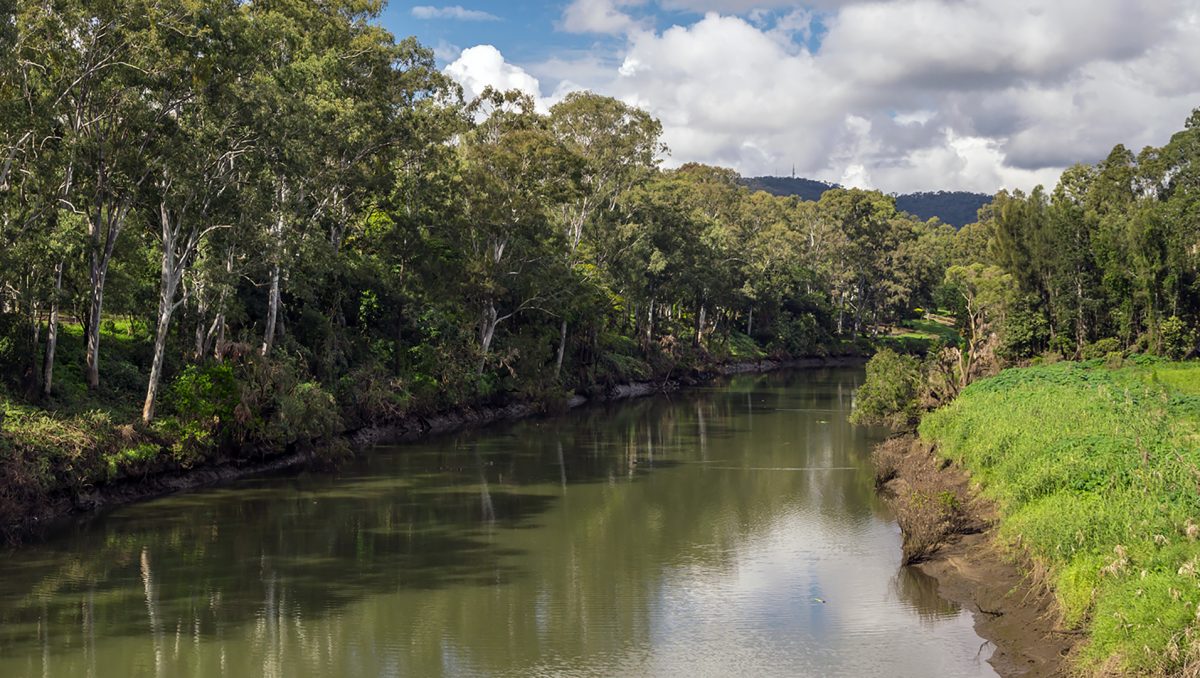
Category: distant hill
[957,208]
[805,189]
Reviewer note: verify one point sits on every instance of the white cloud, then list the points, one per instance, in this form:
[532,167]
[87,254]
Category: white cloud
[901,94]
[454,12]
[599,16]
[482,66]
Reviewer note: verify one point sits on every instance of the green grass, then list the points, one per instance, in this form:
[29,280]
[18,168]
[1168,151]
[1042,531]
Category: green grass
[1096,473]
[929,329]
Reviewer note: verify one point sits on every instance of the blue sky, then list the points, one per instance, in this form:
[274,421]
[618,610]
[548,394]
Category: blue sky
[529,31]
[899,95]
[524,29]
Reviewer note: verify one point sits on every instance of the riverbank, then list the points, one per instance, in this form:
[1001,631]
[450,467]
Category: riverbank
[950,534]
[20,521]
[1078,483]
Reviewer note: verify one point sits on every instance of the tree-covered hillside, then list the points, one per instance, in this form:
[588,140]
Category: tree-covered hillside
[957,208]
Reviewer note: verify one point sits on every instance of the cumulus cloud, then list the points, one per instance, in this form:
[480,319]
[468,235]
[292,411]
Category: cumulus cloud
[896,94]
[482,66]
[455,12]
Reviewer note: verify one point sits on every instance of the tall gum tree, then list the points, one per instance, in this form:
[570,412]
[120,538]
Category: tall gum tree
[197,151]
[516,170]
[618,147]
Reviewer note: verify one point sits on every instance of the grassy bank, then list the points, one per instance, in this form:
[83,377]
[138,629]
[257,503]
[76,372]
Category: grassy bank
[1096,475]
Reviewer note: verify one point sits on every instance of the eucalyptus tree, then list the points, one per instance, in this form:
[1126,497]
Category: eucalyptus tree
[516,172]
[197,149]
[863,219]
[37,169]
[617,146]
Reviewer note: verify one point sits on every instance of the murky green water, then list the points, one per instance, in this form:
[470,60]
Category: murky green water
[725,531]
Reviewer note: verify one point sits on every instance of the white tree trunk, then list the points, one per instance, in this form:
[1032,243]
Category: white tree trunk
[165,308]
[562,349]
[52,334]
[273,300]
[487,331]
[109,225]
[272,312]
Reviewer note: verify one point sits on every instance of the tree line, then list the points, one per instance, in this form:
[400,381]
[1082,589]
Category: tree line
[1108,261]
[238,183]
[285,178]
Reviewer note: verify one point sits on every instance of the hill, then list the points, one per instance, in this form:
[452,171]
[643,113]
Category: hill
[957,208]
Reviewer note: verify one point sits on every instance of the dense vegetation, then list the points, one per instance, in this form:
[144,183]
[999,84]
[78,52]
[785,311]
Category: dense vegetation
[228,227]
[956,208]
[1095,473]
[1093,465]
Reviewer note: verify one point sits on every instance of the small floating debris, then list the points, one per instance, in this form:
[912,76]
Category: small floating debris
[819,600]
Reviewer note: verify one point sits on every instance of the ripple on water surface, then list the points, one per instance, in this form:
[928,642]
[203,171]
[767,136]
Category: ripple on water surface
[721,532]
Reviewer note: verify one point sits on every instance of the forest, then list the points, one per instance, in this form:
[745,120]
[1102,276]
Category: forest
[957,208]
[230,226]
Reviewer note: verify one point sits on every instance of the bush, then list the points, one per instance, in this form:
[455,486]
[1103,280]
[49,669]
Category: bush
[308,414]
[1178,340]
[1062,345]
[369,395]
[889,395]
[1100,348]
[204,392]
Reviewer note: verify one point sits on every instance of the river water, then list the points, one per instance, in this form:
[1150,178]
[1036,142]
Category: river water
[731,530]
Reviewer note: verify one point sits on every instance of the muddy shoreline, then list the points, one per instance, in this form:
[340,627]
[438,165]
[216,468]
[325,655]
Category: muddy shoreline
[63,507]
[956,544]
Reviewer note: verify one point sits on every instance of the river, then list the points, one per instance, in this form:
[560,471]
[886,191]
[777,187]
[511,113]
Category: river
[719,531]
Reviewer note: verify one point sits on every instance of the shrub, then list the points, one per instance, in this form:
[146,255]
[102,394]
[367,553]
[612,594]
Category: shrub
[1178,340]
[369,395]
[122,376]
[204,392]
[307,414]
[1062,345]
[889,395]
[1100,348]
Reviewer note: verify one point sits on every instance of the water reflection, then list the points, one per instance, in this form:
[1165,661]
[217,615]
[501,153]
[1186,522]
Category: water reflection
[717,531]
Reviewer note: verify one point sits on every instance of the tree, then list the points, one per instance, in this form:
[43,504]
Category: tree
[617,147]
[517,170]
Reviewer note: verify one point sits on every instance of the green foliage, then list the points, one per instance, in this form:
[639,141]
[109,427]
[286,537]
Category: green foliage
[307,414]
[1094,473]
[1178,340]
[204,392]
[889,394]
[1101,348]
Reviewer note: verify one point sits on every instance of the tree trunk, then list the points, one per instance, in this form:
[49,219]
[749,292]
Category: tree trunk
[272,312]
[52,334]
[165,307]
[1081,332]
[562,349]
[487,332]
[750,322]
[273,301]
[109,225]
[650,323]
[700,325]
[171,272]
[93,327]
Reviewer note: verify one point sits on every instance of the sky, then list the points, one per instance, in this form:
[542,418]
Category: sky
[896,95]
